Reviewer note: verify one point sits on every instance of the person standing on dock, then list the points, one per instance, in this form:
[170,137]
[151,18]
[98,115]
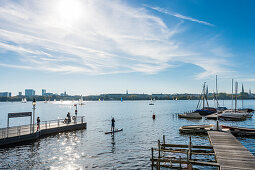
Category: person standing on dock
[38,123]
[113,125]
[68,117]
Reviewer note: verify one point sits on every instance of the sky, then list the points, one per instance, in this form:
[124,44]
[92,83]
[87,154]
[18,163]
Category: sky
[147,46]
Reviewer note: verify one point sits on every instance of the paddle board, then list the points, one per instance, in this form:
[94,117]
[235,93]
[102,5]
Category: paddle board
[116,130]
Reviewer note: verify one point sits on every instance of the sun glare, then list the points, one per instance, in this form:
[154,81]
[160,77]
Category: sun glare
[69,10]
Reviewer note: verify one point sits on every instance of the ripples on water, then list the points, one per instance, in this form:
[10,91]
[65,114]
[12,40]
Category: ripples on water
[91,148]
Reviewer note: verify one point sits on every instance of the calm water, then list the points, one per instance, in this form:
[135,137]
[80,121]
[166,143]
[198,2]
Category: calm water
[91,148]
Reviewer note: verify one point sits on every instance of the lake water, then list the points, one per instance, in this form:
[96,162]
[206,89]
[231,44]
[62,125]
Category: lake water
[91,148]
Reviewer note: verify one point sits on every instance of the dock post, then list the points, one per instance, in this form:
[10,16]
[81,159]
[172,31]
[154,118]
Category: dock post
[190,148]
[164,141]
[171,163]
[180,162]
[187,157]
[158,163]
[152,159]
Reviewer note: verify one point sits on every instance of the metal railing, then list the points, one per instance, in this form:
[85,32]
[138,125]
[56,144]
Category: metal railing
[28,129]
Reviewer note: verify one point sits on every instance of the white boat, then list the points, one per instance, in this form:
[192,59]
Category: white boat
[192,115]
[151,103]
[233,115]
[81,101]
[23,100]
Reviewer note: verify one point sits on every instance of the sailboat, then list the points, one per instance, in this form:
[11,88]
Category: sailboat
[81,101]
[204,111]
[23,100]
[151,103]
[234,114]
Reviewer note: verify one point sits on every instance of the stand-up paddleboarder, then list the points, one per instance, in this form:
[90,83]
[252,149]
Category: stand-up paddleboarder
[113,125]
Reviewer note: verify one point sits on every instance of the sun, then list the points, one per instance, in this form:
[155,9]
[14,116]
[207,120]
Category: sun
[69,11]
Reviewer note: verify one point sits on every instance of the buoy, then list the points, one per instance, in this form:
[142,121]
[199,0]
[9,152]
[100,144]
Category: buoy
[153,116]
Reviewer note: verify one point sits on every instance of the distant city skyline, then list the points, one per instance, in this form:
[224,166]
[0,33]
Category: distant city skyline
[147,46]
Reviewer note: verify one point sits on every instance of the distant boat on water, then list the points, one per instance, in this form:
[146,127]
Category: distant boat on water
[23,100]
[151,103]
[81,101]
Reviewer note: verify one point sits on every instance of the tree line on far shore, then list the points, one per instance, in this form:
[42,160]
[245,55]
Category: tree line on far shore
[107,97]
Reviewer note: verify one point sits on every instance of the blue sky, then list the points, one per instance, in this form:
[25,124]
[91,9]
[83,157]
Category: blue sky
[146,46]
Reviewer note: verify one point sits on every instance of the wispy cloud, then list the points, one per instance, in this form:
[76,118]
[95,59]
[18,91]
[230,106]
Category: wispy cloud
[108,37]
[162,10]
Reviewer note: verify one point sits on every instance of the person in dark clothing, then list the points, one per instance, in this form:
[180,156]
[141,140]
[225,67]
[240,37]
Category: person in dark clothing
[38,123]
[113,124]
[68,117]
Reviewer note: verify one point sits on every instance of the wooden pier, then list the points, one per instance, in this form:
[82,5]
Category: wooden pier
[181,156]
[20,134]
[229,152]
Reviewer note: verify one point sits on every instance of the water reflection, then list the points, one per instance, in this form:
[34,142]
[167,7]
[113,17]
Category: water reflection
[85,149]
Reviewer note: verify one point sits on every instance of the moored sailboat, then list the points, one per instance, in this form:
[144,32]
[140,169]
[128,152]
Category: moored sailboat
[23,100]
[204,111]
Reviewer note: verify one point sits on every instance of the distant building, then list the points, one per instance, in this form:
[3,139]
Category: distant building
[20,93]
[29,92]
[43,92]
[48,94]
[5,94]
[63,94]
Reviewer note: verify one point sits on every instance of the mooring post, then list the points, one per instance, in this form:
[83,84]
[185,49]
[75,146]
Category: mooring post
[152,159]
[180,162]
[171,164]
[190,148]
[158,163]
[164,141]
[187,157]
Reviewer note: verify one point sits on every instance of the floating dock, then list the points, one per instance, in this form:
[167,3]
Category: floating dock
[27,133]
[229,152]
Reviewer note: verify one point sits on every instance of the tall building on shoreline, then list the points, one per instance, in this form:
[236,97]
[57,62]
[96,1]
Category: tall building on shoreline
[5,94]
[43,92]
[29,92]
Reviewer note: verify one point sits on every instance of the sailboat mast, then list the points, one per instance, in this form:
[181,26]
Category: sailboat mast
[216,96]
[232,93]
[242,95]
[236,87]
[204,96]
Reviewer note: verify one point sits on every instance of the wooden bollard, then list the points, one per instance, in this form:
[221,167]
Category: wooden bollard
[164,141]
[190,155]
[180,162]
[152,159]
[171,164]
[158,163]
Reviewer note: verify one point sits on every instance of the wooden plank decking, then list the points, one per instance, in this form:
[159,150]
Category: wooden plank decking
[230,153]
